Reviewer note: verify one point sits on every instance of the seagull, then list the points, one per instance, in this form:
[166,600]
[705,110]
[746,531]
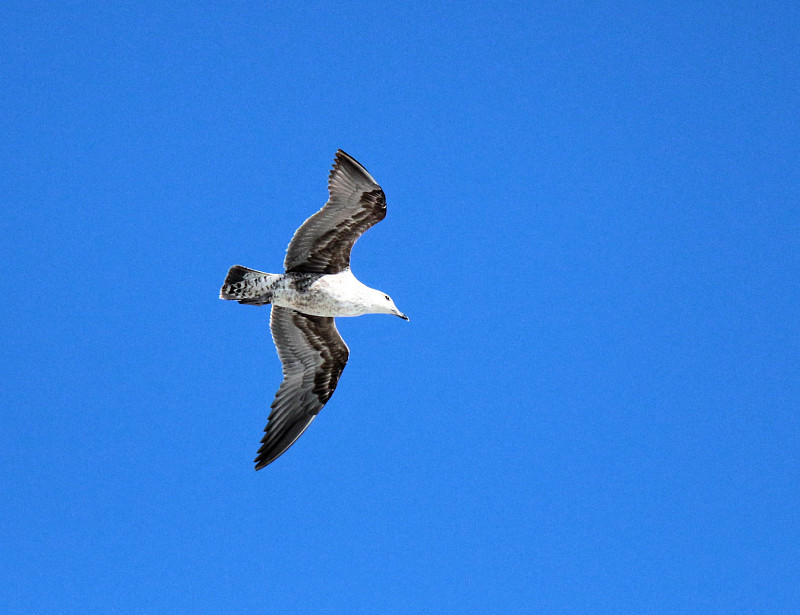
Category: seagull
[316,287]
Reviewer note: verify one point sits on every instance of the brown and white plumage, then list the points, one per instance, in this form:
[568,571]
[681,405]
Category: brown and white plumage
[313,355]
[317,286]
[324,241]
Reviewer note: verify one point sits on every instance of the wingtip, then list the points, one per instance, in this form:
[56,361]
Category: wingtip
[357,167]
[262,460]
[343,156]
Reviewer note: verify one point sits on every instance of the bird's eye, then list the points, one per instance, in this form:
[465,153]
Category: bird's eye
[387,297]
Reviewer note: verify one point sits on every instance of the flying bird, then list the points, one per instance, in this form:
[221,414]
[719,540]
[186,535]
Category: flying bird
[316,287]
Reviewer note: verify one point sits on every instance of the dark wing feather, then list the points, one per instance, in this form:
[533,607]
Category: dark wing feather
[355,203]
[313,355]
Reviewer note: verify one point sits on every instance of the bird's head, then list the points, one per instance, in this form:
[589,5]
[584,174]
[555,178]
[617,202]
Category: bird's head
[383,304]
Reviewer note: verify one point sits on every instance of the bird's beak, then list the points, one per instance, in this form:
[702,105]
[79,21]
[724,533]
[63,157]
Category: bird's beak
[403,316]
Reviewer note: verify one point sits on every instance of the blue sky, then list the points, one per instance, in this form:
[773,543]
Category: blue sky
[593,225]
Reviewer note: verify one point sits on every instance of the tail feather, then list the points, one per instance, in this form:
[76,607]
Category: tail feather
[248,286]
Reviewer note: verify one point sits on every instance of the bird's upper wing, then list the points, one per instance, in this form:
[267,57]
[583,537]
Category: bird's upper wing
[355,203]
[313,355]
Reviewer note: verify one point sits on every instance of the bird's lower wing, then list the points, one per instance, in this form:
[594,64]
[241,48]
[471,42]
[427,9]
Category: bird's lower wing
[313,355]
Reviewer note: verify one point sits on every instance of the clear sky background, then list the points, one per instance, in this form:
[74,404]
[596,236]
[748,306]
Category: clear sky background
[593,224]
